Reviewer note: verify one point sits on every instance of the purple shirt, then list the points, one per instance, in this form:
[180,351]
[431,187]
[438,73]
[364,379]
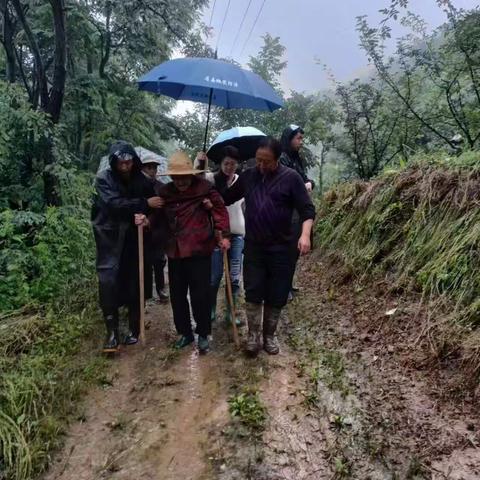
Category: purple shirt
[270,201]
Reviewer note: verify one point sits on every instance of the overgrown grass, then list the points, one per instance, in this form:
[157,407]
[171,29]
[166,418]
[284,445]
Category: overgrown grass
[422,226]
[48,313]
[40,386]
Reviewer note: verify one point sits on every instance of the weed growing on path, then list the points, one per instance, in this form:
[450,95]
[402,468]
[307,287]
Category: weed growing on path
[248,408]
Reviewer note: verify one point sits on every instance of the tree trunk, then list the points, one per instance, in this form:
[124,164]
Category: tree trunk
[57,91]
[106,42]
[7,41]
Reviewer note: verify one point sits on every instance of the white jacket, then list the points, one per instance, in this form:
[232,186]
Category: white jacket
[235,211]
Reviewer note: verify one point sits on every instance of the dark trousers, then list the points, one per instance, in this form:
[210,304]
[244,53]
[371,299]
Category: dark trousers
[190,275]
[133,317]
[267,274]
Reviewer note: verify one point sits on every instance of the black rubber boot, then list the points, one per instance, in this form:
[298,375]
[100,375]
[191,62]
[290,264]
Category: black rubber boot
[111,341]
[271,316]
[131,338]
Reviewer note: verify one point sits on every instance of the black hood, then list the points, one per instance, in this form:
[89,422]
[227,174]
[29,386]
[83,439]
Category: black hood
[287,136]
[120,147]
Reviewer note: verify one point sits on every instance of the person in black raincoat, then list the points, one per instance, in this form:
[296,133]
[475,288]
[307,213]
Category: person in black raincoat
[121,192]
[292,141]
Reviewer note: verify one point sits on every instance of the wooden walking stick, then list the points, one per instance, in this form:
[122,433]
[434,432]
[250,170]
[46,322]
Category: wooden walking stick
[141,278]
[230,299]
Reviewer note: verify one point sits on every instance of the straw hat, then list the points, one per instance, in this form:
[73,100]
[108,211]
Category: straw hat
[180,164]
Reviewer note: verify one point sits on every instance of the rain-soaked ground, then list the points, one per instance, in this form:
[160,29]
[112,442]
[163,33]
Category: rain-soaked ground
[348,397]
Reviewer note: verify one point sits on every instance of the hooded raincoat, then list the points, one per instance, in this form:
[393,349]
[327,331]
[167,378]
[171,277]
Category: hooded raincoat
[115,204]
[291,158]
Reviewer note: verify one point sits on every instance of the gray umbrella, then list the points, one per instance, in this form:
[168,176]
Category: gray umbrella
[145,155]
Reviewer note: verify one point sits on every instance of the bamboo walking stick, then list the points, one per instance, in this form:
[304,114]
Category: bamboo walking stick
[230,299]
[141,278]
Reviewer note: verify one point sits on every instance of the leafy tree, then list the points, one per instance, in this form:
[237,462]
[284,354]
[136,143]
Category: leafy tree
[370,122]
[77,61]
[436,77]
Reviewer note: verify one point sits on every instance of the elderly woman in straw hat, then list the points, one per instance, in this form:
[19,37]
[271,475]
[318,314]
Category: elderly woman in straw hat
[193,232]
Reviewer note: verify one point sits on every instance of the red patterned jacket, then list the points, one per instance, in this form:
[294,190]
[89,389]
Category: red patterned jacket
[189,226]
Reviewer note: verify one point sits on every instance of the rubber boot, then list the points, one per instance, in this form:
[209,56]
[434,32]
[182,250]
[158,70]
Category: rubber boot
[270,321]
[111,341]
[254,318]
[131,338]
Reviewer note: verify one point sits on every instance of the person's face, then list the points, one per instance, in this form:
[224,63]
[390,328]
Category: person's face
[124,167]
[266,161]
[150,169]
[297,141]
[182,182]
[229,166]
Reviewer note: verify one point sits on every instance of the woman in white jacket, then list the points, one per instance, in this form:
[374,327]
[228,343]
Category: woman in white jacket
[222,180]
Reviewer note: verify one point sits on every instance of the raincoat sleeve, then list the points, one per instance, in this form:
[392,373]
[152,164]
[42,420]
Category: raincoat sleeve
[301,200]
[219,213]
[287,162]
[109,194]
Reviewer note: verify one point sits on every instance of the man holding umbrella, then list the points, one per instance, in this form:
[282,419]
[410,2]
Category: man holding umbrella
[121,192]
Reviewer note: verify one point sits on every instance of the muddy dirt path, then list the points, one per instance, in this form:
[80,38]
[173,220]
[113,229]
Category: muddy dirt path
[151,421]
[346,398]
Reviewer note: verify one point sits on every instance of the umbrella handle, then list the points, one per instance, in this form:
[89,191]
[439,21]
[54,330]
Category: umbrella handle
[208,121]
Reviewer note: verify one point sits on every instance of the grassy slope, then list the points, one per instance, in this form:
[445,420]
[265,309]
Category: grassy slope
[421,226]
[49,326]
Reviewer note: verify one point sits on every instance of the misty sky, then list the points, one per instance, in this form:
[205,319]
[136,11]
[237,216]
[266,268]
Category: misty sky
[309,29]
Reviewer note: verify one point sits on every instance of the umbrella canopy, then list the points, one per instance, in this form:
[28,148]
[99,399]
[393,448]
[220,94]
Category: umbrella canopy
[143,153]
[198,79]
[245,139]
[211,81]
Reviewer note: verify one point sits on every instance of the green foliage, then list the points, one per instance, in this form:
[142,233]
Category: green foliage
[434,76]
[42,255]
[47,315]
[42,378]
[23,132]
[420,224]
[374,127]
[249,409]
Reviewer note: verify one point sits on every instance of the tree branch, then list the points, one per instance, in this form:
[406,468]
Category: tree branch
[39,67]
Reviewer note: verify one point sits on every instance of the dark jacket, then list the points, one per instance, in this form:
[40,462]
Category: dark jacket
[190,226]
[115,204]
[270,201]
[291,158]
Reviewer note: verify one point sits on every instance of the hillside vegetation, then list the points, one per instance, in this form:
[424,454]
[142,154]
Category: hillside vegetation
[419,226]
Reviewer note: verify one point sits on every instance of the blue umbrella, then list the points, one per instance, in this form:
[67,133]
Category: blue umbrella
[211,81]
[245,139]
